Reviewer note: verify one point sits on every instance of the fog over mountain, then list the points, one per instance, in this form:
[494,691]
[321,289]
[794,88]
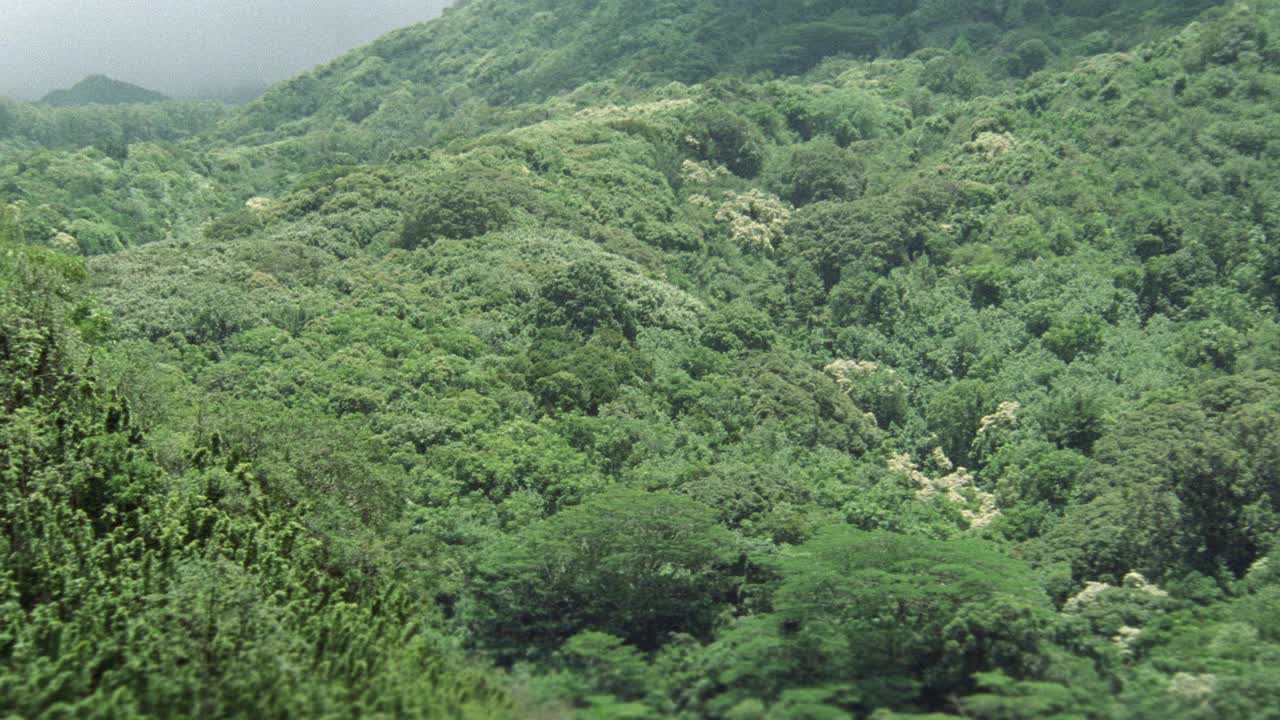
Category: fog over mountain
[185,47]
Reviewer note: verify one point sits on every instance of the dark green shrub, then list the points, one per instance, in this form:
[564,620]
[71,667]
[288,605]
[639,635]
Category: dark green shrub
[457,211]
[1224,41]
[818,170]
[1030,56]
[724,138]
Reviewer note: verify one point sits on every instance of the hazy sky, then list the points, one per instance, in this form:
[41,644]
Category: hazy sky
[185,47]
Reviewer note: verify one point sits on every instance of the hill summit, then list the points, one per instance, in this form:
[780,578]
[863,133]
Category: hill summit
[102,90]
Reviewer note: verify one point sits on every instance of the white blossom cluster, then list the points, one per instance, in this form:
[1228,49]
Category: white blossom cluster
[990,145]
[1094,590]
[846,371]
[1005,416]
[258,203]
[697,173]
[757,220]
[1193,687]
[1125,639]
[957,486]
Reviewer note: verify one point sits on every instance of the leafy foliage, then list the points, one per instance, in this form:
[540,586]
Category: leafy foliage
[621,359]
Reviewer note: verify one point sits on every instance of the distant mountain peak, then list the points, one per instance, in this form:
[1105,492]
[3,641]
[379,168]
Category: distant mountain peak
[102,90]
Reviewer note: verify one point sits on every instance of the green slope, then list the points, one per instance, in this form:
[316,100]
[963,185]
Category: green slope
[491,65]
[929,383]
[504,51]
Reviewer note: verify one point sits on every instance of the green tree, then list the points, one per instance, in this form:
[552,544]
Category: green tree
[722,137]
[738,326]
[1030,56]
[584,295]
[889,621]
[462,205]
[632,564]
[833,237]
[1179,484]
[817,170]
[606,664]
[956,413]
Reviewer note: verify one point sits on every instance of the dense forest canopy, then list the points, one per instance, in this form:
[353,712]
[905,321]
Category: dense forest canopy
[687,359]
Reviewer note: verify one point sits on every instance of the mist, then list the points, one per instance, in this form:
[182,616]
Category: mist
[185,48]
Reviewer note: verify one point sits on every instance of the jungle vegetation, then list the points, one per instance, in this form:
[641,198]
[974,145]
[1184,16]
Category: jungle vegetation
[684,359]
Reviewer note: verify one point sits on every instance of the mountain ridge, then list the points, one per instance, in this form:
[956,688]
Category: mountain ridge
[539,48]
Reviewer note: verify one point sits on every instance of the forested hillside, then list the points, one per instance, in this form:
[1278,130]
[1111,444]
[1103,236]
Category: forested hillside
[102,90]
[625,359]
